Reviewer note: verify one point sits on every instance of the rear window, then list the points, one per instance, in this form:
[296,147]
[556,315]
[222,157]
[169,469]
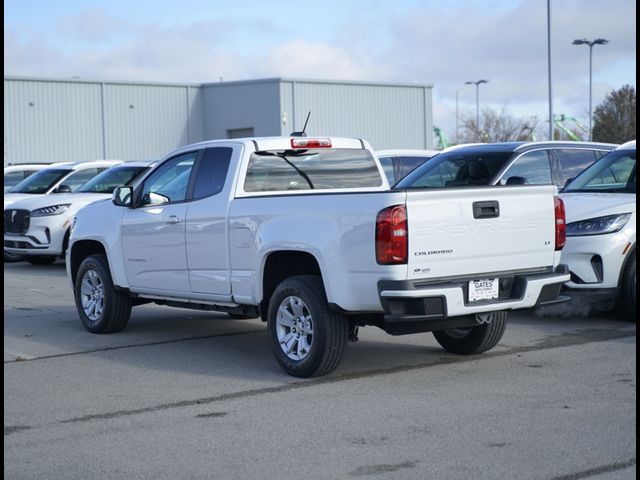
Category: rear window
[573,162]
[313,169]
[456,169]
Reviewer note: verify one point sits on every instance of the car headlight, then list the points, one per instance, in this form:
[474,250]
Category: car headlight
[52,210]
[598,226]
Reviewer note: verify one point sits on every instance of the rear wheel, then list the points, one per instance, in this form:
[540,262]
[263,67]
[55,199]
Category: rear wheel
[101,307]
[307,338]
[41,259]
[472,340]
[627,302]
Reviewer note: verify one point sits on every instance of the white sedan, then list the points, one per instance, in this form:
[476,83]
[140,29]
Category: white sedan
[601,232]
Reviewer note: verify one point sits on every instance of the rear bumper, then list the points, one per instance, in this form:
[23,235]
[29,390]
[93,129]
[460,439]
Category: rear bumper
[438,305]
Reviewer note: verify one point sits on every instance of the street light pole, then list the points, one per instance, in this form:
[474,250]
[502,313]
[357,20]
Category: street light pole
[597,41]
[549,69]
[477,84]
[457,123]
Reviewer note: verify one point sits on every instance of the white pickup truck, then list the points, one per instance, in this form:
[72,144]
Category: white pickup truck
[306,233]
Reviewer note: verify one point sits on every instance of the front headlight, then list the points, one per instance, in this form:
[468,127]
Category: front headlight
[598,226]
[52,210]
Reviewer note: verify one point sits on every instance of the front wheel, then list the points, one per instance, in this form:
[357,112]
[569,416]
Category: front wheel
[472,340]
[306,337]
[101,307]
[627,302]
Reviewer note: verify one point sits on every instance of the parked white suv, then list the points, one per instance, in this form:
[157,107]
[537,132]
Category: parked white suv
[59,178]
[38,228]
[601,232]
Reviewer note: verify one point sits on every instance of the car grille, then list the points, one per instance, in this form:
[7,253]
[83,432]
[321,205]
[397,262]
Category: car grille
[16,221]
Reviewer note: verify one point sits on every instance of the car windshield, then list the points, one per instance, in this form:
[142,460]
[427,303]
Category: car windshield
[107,181]
[40,182]
[456,169]
[613,173]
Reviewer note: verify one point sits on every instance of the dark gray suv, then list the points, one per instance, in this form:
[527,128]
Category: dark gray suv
[509,163]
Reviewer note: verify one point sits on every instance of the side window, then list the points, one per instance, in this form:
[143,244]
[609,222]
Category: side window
[170,182]
[212,172]
[533,166]
[573,161]
[79,178]
[387,166]
[441,175]
[404,165]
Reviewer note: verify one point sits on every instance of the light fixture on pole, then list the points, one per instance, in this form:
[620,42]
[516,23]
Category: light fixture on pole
[597,41]
[477,84]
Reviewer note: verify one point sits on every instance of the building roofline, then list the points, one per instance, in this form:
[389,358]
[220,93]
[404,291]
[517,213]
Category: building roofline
[318,80]
[98,81]
[214,84]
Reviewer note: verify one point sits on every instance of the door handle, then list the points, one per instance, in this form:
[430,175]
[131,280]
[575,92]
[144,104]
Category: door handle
[174,219]
[490,209]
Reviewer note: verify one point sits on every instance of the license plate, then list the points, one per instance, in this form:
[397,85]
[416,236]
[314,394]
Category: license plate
[483,289]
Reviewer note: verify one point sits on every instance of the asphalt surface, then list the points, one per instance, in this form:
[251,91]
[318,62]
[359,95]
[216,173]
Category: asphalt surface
[188,394]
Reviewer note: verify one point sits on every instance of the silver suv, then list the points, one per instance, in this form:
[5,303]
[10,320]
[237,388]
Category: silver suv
[509,163]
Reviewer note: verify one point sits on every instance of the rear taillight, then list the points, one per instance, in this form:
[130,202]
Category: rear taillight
[561,223]
[392,236]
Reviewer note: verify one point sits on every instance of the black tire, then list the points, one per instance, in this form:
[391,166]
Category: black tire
[626,305]
[330,329]
[12,257]
[41,259]
[116,306]
[473,340]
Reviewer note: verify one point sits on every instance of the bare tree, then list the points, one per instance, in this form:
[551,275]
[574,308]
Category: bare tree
[497,126]
[614,120]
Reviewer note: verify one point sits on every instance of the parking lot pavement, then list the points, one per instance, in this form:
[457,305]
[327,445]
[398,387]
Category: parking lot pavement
[188,394]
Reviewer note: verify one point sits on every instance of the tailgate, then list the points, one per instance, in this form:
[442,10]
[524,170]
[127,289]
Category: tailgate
[474,231]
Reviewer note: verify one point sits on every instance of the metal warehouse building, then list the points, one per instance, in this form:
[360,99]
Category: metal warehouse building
[53,120]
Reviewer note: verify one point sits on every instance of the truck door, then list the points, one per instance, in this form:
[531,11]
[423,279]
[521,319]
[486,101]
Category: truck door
[153,233]
[207,230]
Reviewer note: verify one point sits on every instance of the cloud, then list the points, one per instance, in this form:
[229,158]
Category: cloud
[91,26]
[424,42]
[509,47]
[315,60]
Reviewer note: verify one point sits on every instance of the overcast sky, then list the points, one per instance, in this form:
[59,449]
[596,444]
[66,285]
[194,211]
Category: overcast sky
[439,42]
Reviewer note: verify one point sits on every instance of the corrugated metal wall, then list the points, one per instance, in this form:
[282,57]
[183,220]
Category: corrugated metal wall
[62,120]
[75,120]
[145,121]
[388,116]
[241,105]
[51,121]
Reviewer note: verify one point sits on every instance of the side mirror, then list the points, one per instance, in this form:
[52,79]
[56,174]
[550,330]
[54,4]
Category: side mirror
[63,189]
[515,180]
[123,197]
